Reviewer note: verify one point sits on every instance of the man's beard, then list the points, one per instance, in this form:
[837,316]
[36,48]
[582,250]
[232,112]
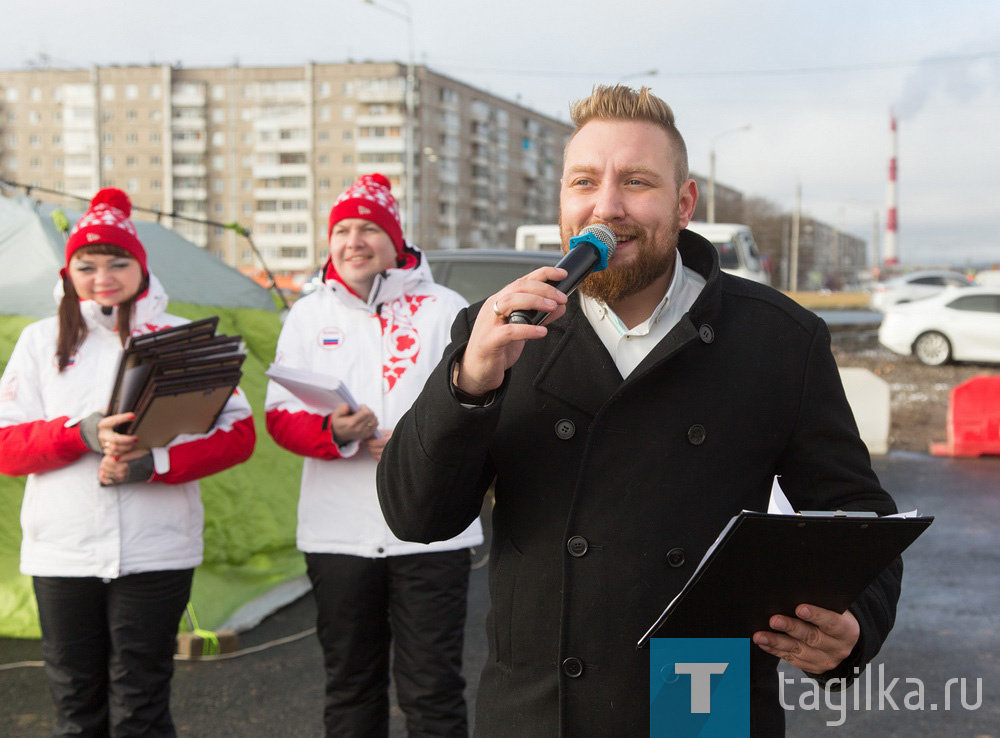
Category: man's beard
[650,262]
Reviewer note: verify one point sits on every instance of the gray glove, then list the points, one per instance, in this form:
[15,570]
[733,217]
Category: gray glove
[140,470]
[88,430]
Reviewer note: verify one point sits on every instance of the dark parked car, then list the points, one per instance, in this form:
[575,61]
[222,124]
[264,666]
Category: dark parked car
[473,273]
[478,273]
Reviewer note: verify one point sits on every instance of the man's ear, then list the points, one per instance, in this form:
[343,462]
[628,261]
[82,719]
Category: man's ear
[687,198]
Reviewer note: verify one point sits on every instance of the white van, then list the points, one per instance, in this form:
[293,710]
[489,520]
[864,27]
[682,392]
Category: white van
[738,254]
[537,238]
[737,250]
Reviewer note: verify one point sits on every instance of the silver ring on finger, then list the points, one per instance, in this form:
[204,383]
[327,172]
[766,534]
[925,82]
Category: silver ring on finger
[498,312]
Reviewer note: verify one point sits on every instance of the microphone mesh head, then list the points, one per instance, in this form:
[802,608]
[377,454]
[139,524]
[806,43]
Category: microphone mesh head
[605,235]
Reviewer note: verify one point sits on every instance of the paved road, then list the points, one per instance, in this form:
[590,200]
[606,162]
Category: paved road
[946,628]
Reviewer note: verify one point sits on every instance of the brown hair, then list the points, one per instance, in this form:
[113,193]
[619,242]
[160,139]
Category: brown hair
[72,328]
[620,102]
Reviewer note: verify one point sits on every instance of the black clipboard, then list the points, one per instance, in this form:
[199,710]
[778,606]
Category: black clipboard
[764,564]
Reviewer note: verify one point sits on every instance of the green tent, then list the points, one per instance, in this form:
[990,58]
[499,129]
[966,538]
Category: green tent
[251,565]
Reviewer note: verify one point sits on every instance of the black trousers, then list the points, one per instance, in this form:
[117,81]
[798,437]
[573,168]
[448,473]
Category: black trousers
[414,605]
[108,646]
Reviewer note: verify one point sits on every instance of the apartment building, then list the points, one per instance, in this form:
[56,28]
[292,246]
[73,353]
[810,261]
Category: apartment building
[270,148]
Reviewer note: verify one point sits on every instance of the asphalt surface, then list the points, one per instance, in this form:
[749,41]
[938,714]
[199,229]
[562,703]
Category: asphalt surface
[946,629]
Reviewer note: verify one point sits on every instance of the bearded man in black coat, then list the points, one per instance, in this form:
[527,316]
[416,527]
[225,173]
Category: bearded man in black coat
[622,434]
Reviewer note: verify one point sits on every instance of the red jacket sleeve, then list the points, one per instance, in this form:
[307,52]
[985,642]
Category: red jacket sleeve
[39,446]
[206,456]
[303,433]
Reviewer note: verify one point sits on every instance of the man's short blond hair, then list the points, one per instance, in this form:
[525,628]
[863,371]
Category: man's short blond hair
[620,102]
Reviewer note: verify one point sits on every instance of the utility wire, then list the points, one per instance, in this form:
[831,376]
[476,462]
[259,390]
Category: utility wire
[234,226]
[831,69]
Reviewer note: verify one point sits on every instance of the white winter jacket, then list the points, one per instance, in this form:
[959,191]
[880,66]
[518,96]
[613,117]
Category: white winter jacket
[71,526]
[382,349]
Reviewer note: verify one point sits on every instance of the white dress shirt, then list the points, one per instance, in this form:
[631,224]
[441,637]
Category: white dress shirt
[629,347]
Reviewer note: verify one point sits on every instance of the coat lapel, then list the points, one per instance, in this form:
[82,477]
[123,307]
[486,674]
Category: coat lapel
[579,370]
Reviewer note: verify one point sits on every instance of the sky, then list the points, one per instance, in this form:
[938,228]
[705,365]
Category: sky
[815,82]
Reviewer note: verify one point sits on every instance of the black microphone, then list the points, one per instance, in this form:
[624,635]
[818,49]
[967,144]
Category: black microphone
[588,252]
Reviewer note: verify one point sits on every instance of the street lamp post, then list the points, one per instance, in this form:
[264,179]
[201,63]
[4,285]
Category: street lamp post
[410,102]
[711,170]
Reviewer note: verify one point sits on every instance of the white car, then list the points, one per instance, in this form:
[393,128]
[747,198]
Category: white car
[958,324]
[913,286]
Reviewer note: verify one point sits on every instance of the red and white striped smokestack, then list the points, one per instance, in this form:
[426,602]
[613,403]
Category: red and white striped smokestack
[891,223]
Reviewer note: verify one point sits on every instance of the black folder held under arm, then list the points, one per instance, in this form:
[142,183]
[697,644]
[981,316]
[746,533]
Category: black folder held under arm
[764,565]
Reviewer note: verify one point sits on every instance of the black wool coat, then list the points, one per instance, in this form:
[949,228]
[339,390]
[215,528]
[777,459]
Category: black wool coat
[609,491]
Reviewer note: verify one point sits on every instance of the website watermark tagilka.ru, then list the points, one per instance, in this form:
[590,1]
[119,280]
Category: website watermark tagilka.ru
[873,689]
[700,688]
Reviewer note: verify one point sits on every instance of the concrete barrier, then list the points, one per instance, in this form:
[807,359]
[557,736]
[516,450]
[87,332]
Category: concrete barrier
[869,397]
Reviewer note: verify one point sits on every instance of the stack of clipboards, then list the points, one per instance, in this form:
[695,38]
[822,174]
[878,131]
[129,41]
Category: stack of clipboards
[176,381]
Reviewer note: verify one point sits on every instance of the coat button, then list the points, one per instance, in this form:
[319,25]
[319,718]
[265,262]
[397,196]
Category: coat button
[675,557]
[696,434]
[706,334]
[572,667]
[565,429]
[577,546]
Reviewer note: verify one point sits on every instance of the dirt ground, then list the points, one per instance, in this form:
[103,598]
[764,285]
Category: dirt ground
[920,394]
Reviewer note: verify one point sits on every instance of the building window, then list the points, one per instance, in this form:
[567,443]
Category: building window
[57,139]
[34,117]
[131,138]
[323,89]
[131,92]
[154,137]
[154,184]
[218,92]
[156,115]
[35,140]
[218,138]
[154,92]
[108,162]
[323,136]
[154,160]
[218,163]
[107,92]
[218,116]
[347,112]
[131,115]
[218,186]
[130,162]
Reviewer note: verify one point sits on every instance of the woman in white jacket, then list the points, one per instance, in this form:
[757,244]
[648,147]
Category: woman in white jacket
[379,324]
[110,534]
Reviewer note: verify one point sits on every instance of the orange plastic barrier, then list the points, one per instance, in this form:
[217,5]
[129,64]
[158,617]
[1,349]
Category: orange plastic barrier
[973,419]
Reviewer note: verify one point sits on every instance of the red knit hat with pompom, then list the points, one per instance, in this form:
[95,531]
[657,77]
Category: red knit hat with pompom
[370,198]
[107,223]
